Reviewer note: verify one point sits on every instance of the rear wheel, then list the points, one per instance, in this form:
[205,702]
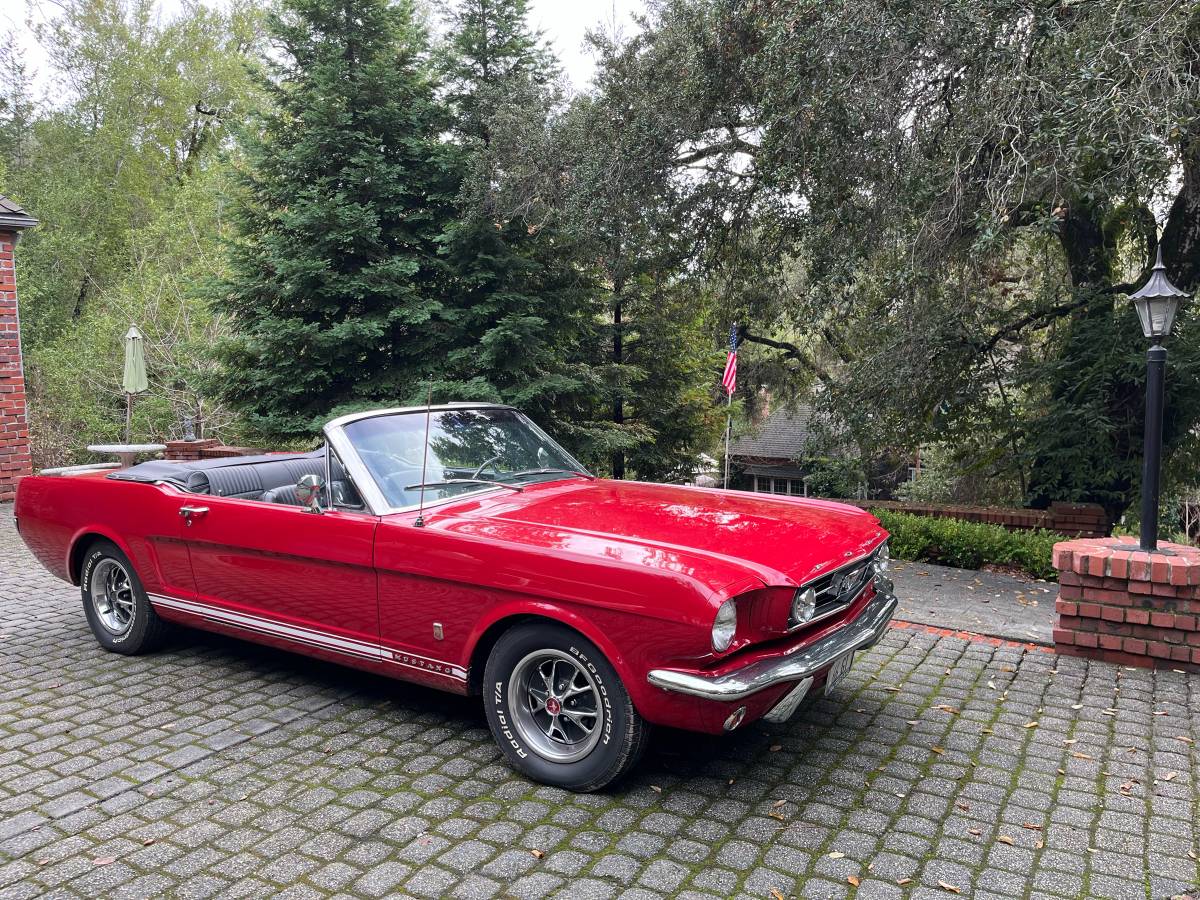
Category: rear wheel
[115,604]
[558,709]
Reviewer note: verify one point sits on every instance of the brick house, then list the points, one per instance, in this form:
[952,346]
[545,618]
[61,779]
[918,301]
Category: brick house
[15,459]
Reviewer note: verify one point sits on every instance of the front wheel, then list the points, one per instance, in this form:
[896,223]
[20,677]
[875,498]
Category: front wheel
[558,709]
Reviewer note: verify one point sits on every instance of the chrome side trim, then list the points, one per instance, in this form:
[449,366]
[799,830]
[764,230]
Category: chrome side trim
[800,663]
[311,637]
[61,471]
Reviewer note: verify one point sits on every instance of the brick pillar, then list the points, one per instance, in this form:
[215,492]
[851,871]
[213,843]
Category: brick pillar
[1123,605]
[15,459]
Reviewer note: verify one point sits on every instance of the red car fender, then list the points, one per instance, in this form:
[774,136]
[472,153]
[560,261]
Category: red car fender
[635,682]
[91,531]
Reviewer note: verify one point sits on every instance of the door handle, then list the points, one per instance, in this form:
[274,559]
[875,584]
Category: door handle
[188,511]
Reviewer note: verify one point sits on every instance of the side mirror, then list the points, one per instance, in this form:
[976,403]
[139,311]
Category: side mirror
[308,492]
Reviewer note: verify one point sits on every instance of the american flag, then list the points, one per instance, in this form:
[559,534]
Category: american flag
[729,379]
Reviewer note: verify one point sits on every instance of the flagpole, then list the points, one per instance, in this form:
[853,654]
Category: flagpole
[728,429]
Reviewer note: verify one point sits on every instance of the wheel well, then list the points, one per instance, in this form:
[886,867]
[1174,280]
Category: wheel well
[79,551]
[483,647]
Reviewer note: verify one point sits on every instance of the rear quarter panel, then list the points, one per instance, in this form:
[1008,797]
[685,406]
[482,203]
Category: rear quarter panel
[56,514]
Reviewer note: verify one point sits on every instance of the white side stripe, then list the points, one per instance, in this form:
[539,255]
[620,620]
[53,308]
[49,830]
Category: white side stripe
[311,637]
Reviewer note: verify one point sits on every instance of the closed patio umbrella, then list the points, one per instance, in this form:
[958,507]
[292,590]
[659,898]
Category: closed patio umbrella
[134,381]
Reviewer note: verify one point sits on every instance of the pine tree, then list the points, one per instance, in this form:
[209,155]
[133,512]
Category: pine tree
[337,288]
[528,308]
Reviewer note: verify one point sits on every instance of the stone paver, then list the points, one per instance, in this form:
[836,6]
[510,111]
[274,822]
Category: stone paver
[1019,609]
[219,768]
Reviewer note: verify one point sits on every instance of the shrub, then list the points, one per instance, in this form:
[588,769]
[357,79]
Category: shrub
[969,545]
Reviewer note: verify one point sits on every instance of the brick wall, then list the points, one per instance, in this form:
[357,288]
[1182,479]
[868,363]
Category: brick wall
[15,460]
[1120,604]
[210,448]
[1072,519]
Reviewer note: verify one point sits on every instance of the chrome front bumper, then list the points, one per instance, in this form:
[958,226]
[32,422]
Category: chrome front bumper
[803,661]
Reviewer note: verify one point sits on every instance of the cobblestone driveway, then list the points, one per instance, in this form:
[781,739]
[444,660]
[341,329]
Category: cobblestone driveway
[220,768]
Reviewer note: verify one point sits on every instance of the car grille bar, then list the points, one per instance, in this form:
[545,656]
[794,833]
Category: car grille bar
[836,590]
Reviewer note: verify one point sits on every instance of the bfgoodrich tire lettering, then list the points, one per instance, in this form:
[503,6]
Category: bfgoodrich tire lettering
[558,710]
[115,603]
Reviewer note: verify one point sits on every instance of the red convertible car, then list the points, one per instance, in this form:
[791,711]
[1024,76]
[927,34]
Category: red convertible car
[460,547]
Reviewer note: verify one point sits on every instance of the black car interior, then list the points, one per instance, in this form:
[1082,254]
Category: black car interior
[270,478]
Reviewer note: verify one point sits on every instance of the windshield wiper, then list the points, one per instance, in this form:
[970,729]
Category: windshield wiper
[586,475]
[448,481]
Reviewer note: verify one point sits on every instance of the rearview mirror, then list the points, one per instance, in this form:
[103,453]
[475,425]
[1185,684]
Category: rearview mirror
[308,492]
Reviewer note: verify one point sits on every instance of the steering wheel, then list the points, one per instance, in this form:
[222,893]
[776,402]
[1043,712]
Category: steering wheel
[483,465]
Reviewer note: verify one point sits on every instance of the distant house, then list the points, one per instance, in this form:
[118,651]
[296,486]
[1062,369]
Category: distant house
[766,457]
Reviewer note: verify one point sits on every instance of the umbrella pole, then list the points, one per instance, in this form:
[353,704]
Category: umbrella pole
[128,416]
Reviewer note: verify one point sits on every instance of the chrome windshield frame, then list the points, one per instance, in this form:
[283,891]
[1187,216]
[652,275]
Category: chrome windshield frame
[372,494]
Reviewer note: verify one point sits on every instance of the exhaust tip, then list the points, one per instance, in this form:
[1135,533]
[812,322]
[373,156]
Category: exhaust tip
[735,718]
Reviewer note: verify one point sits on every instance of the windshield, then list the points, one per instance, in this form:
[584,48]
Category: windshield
[486,445]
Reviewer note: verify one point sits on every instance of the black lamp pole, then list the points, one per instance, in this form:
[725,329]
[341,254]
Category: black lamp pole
[1156,368]
[1156,303]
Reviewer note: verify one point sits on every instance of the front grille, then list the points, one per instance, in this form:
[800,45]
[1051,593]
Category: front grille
[838,589]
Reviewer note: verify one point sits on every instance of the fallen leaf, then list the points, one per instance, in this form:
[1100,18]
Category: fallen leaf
[904,881]
[1070,741]
[656,788]
[836,854]
[147,842]
[1031,724]
[974,831]
[1184,738]
[949,887]
[774,814]
[944,708]
[1039,845]
[1005,839]
[777,894]
[986,731]
[1161,712]
[1192,854]
[104,860]
[963,806]
[775,748]
[1076,706]
[938,750]
[537,854]
[1169,776]
[779,804]
[44,861]
[1079,755]
[1031,826]
[853,879]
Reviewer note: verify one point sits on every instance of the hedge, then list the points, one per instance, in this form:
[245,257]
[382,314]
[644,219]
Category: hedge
[969,545]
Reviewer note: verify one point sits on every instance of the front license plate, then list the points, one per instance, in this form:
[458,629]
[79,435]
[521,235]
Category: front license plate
[839,670]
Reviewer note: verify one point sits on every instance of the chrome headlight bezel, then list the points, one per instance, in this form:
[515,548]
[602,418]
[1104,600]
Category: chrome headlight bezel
[804,607]
[882,558]
[724,627]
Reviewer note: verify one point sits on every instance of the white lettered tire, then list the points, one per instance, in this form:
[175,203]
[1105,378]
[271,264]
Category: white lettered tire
[558,709]
[115,603]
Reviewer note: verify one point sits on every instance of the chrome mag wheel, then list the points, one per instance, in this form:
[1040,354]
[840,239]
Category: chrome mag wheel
[112,596]
[556,706]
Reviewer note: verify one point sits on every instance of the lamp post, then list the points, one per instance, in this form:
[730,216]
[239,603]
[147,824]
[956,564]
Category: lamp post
[1156,303]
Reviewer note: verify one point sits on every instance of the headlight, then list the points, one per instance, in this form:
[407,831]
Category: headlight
[724,626]
[882,556]
[804,604]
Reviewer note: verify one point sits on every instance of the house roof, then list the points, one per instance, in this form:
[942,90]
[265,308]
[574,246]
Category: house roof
[783,435]
[13,216]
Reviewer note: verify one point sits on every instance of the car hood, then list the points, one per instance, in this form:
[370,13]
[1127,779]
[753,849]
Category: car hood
[777,540]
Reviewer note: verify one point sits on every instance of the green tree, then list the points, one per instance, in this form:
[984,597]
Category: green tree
[930,211]
[122,166]
[338,289]
[527,305]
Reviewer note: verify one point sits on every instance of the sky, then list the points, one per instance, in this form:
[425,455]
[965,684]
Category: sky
[563,22]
